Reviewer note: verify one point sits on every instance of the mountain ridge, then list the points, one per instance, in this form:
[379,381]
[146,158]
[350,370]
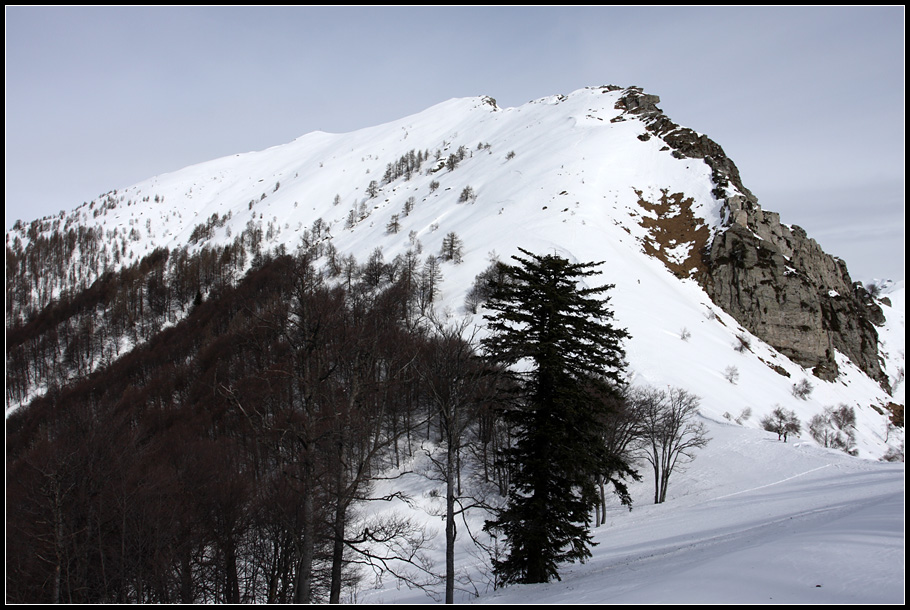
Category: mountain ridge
[598,174]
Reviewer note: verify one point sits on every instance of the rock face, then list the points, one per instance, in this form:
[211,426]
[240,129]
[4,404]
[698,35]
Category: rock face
[773,279]
[782,287]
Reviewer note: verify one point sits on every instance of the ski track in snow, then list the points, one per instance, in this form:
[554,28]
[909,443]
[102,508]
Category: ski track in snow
[736,493]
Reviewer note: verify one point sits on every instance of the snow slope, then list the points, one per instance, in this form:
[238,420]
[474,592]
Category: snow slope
[750,520]
[561,174]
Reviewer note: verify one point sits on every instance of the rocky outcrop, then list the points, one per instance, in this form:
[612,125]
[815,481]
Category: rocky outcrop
[796,298]
[773,279]
[686,143]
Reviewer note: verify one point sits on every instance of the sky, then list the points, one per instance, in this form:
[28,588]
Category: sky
[807,101]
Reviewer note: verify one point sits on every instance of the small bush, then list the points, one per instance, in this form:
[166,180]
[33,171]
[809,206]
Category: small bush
[743,344]
[802,389]
[745,414]
[467,194]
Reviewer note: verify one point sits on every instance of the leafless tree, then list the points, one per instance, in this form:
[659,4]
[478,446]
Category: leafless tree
[623,432]
[670,431]
[835,427]
[782,421]
[455,380]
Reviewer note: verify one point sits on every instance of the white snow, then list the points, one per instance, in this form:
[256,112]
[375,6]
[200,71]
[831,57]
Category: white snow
[751,520]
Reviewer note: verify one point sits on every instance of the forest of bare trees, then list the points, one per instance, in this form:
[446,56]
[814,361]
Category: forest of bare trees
[222,459]
[210,426]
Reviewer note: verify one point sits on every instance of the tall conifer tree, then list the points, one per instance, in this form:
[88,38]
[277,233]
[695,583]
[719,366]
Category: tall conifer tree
[567,355]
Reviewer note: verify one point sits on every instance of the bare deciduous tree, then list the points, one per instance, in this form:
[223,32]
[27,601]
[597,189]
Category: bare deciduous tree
[622,431]
[835,428]
[782,421]
[671,432]
[454,378]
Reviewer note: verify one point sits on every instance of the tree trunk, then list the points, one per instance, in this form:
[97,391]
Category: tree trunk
[664,483]
[186,579]
[450,524]
[58,543]
[232,582]
[656,484]
[303,591]
[600,512]
[337,552]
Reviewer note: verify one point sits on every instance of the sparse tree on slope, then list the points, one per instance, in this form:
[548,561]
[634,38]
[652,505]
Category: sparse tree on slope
[782,421]
[835,428]
[671,433]
[451,248]
[428,287]
[574,356]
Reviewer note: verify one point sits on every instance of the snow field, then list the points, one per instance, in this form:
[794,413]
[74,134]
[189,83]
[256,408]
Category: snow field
[750,520]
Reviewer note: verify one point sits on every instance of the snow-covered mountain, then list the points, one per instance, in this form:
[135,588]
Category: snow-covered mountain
[597,175]
[720,298]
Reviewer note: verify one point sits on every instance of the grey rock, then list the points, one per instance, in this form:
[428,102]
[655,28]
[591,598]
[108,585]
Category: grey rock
[803,305]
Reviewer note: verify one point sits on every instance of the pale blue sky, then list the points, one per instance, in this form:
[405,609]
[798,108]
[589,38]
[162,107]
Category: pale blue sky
[808,102]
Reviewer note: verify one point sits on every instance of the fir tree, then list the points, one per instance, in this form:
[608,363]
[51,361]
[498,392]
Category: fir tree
[562,332]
